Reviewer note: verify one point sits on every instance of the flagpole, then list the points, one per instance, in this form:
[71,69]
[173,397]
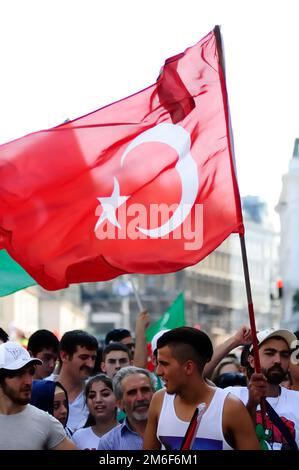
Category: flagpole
[137,296]
[257,362]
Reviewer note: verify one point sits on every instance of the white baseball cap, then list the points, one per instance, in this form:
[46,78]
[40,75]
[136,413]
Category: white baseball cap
[287,335]
[155,339]
[13,356]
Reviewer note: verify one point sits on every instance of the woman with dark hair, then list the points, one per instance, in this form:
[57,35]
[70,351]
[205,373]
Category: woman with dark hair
[51,397]
[101,403]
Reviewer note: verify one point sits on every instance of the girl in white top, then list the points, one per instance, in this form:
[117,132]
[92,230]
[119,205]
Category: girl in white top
[101,403]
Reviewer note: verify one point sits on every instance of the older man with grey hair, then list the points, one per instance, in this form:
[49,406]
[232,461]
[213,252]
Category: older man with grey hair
[133,388]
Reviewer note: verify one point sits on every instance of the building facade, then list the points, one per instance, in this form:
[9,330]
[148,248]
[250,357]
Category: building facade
[33,308]
[215,287]
[288,210]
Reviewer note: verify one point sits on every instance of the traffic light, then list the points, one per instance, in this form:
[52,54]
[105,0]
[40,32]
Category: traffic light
[279,285]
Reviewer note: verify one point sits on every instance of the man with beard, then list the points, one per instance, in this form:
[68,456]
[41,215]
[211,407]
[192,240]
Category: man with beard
[133,388]
[274,350]
[23,426]
[78,350]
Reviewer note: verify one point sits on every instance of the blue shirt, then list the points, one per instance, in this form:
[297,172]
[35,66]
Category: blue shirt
[121,437]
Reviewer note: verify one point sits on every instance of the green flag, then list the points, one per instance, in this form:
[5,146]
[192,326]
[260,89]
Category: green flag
[172,318]
[12,276]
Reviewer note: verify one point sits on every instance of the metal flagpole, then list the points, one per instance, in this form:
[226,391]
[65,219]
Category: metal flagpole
[137,296]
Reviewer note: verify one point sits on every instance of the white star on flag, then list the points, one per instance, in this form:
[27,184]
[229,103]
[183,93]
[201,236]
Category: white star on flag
[110,204]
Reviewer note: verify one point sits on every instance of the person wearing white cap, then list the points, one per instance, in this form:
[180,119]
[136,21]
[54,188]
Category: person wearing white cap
[275,346]
[23,426]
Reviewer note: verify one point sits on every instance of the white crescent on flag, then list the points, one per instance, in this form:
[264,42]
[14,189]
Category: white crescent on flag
[179,139]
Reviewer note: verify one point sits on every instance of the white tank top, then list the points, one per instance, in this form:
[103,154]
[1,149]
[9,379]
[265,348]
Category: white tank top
[171,429]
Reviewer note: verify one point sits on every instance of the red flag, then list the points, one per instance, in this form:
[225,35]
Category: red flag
[144,185]
[190,436]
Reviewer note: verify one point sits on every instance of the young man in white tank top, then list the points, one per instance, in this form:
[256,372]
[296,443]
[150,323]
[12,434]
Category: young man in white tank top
[225,424]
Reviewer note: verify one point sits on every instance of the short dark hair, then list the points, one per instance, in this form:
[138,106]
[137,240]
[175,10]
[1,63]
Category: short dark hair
[10,373]
[3,375]
[244,355]
[71,339]
[42,339]
[3,335]
[188,343]
[116,335]
[115,347]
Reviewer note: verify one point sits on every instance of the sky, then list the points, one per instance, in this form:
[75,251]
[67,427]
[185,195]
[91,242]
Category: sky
[63,59]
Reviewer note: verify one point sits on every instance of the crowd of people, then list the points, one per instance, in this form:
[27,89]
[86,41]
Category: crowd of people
[73,394]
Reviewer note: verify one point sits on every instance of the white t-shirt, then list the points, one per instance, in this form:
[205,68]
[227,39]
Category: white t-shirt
[31,429]
[286,406]
[78,413]
[86,439]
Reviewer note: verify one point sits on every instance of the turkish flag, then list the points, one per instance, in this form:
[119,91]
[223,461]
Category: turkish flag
[144,185]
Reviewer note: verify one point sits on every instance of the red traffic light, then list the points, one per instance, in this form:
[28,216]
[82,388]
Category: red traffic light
[279,283]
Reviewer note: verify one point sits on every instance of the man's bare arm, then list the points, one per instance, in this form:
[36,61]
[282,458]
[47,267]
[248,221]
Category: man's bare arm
[238,427]
[241,337]
[140,354]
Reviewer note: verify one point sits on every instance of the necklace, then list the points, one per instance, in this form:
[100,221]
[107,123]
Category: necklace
[274,400]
